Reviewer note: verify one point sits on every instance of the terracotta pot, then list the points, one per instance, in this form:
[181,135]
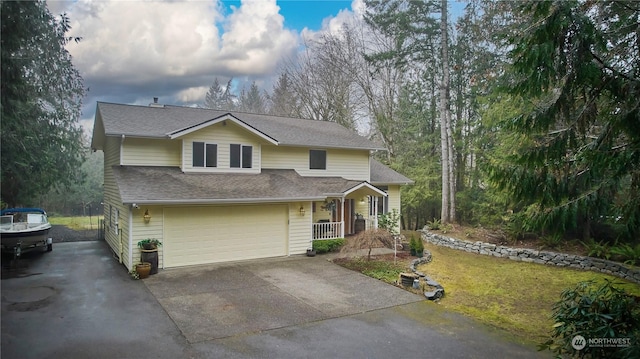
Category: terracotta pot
[143,269]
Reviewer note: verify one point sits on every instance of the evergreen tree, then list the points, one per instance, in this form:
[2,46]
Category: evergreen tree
[252,101]
[578,159]
[282,101]
[215,96]
[41,100]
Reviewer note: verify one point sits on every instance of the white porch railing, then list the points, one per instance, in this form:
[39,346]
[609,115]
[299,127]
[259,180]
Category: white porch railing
[327,230]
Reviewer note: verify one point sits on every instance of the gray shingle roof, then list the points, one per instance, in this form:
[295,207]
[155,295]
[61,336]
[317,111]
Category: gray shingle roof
[381,174]
[140,184]
[158,122]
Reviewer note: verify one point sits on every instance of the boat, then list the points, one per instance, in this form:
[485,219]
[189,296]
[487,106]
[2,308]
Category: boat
[22,229]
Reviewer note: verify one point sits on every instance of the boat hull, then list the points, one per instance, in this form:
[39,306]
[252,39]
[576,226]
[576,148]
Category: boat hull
[24,239]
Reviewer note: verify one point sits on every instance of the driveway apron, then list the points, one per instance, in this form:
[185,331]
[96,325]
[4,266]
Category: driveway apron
[218,301]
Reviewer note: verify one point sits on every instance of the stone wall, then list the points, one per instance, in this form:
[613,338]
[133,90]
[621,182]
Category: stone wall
[534,256]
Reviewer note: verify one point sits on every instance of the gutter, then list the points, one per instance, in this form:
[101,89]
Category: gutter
[225,201]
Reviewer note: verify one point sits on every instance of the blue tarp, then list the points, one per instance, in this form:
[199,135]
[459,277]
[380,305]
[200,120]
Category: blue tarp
[22,210]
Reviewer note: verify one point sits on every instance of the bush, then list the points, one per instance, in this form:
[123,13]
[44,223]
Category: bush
[419,247]
[626,253]
[327,245]
[412,245]
[595,313]
[597,249]
[369,239]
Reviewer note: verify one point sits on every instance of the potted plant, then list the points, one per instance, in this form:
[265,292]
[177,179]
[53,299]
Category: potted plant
[311,252]
[143,269]
[149,244]
[149,252]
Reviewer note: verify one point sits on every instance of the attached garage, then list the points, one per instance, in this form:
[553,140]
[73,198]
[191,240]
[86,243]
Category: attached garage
[210,234]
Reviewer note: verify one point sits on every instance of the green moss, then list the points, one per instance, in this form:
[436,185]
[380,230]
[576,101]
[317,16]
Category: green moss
[510,295]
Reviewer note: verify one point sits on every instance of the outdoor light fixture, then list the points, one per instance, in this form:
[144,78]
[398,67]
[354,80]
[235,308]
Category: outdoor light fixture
[146,216]
[301,211]
[362,200]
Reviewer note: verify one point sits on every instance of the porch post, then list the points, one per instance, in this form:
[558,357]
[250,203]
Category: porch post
[342,211]
[375,212]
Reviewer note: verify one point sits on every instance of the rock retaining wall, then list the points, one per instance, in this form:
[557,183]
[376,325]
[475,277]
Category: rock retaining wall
[535,256]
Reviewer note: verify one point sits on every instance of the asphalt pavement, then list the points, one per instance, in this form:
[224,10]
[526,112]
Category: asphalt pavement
[79,302]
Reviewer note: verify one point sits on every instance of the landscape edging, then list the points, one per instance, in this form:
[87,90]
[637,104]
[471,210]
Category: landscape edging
[536,256]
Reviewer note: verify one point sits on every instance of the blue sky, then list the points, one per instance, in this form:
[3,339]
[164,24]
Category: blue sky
[135,50]
[299,14]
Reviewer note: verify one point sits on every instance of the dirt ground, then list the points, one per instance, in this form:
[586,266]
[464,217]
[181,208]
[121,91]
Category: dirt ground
[61,234]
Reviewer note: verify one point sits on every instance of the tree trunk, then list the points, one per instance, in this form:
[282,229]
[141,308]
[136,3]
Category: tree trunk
[446,138]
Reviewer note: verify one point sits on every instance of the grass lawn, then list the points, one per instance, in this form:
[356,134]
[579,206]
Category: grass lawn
[76,223]
[514,296]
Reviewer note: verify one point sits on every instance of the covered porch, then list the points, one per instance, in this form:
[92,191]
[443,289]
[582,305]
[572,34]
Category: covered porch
[346,213]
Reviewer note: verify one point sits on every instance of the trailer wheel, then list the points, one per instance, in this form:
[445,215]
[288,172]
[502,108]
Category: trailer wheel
[49,247]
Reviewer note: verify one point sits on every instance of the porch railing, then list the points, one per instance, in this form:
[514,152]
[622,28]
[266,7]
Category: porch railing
[327,230]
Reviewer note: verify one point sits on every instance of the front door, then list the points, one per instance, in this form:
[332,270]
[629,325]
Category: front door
[348,215]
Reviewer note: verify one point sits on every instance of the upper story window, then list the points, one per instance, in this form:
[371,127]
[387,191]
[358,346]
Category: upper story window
[240,156]
[205,154]
[317,159]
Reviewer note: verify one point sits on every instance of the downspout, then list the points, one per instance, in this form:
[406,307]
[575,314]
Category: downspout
[342,211]
[121,147]
[130,237]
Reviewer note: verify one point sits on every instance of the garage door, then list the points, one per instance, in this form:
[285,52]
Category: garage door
[198,235]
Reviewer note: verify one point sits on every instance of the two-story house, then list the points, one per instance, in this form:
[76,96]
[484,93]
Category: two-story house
[215,186]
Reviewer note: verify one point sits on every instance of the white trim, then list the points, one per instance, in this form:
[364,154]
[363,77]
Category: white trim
[365,184]
[121,150]
[225,117]
[130,237]
[226,201]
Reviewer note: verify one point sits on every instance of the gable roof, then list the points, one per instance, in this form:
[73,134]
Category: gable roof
[163,185]
[383,175]
[163,121]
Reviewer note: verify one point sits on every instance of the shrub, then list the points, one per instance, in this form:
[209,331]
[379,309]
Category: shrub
[597,249]
[595,312]
[369,239]
[327,245]
[389,221]
[412,245]
[434,225]
[552,241]
[627,253]
[419,247]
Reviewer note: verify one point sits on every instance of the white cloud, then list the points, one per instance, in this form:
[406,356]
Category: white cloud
[134,50]
[334,24]
[255,39]
[141,40]
[192,94]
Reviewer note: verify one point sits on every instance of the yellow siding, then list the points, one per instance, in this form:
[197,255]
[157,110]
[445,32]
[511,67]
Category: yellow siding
[117,239]
[362,207]
[142,230]
[151,152]
[394,199]
[223,136]
[300,228]
[320,212]
[350,164]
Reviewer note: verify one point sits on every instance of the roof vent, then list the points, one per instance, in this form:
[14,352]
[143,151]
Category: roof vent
[155,103]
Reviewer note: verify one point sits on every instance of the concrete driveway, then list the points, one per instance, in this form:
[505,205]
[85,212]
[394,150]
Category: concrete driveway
[259,295]
[78,302]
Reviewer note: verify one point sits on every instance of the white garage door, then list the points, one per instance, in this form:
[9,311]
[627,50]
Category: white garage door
[198,235]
